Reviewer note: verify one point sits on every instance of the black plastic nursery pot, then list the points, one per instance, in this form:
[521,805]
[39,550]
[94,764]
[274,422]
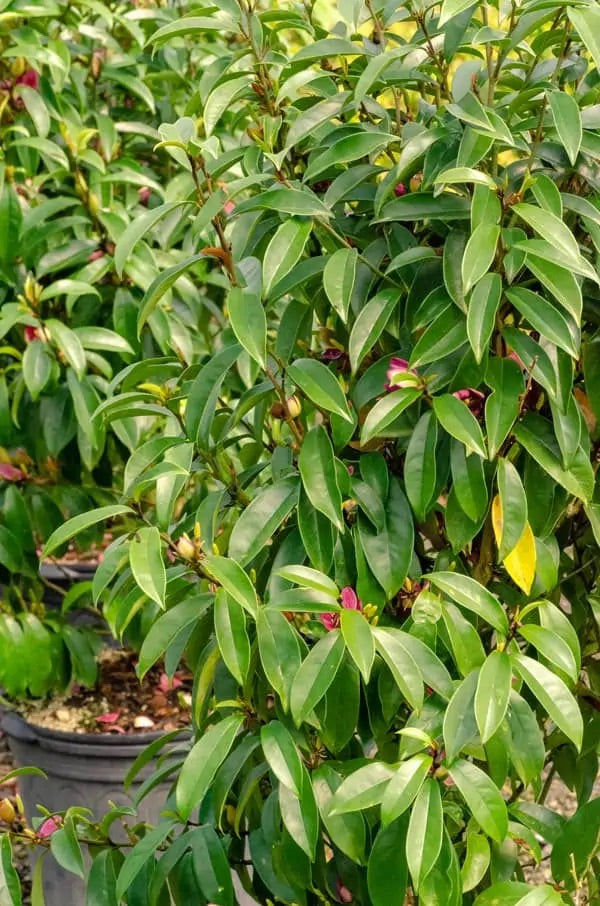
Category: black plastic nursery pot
[84,770]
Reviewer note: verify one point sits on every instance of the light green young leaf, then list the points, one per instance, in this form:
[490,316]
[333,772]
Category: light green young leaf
[318,383]
[249,322]
[147,564]
[457,419]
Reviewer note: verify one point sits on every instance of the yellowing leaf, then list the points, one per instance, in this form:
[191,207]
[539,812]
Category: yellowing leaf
[497,519]
[520,563]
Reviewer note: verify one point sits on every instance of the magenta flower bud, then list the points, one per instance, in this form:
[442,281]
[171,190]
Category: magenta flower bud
[49,827]
[400,190]
[349,601]
[474,399]
[10,473]
[29,78]
[400,376]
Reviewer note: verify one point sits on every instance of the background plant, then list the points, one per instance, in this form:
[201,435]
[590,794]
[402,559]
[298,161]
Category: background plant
[368,513]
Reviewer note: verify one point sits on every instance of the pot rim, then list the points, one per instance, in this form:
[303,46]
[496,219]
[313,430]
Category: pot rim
[142,738]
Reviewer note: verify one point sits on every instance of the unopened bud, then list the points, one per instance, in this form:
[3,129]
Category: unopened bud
[415,182]
[7,811]
[294,407]
[186,548]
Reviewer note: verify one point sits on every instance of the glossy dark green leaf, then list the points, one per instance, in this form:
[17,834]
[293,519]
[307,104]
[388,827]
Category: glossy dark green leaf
[318,383]
[514,506]
[481,315]
[232,635]
[370,324]
[388,552]
[147,565]
[457,419]
[387,871]
[404,787]
[317,468]
[234,580]
[202,763]
[420,466]
[249,322]
[282,755]
[386,411]
[493,693]
[553,695]
[339,275]
[460,725]
[261,519]
[425,832]
[473,596]
[315,675]
[469,482]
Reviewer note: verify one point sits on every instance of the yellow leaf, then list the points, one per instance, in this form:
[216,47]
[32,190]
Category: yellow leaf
[497,519]
[520,563]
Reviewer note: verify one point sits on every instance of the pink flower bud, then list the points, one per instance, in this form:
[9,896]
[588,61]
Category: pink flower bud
[344,895]
[144,194]
[93,256]
[330,620]
[29,78]
[30,334]
[49,827]
[350,600]
[10,473]
[400,190]
[229,207]
[400,376]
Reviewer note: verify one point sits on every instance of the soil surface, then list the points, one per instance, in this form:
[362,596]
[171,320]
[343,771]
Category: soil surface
[119,703]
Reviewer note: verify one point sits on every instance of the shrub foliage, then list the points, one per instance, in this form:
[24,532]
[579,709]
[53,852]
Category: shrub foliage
[364,497]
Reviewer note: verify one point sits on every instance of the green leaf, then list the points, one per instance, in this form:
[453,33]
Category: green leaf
[37,367]
[10,885]
[453,8]
[147,564]
[362,789]
[502,406]
[69,344]
[423,206]
[481,314]
[142,852]
[359,641]
[318,383]
[168,627]
[458,175]
[370,324]
[300,815]
[477,860]
[482,797]
[420,478]
[386,411]
[552,230]
[445,334]
[66,849]
[260,520]
[249,323]
[472,596]
[317,468]
[221,99]
[587,22]
[202,763]
[80,523]
[279,651]
[425,832]
[211,867]
[469,482]
[301,202]
[404,787]
[545,318]
[551,647]
[479,254]
[513,507]
[391,645]
[537,436]
[526,744]
[310,578]
[101,888]
[160,285]
[457,419]
[339,276]
[137,229]
[460,725]
[234,580]
[493,693]
[388,550]
[553,695]
[567,120]
[345,150]
[387,869]
[282,755]
[205,390]
[232,636]
[346,831]
[284,251]
[316,673]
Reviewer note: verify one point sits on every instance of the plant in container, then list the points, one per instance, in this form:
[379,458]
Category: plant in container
[369,515]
